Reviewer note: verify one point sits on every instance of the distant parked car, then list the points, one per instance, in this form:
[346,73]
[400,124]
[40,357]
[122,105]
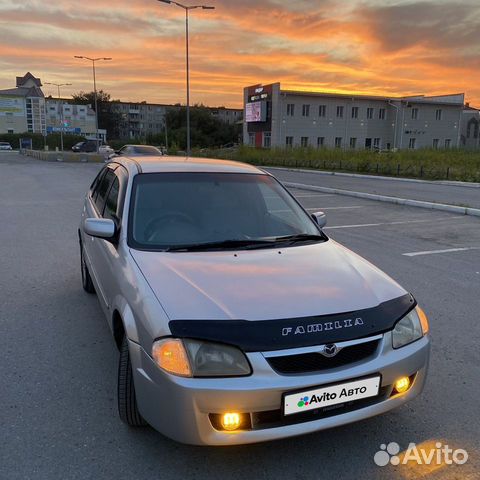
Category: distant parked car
[105,150]
[5,146]
[86,146]
[138,150]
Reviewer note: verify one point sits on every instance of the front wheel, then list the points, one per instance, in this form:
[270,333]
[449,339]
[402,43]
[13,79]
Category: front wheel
[87,282]
[127,401]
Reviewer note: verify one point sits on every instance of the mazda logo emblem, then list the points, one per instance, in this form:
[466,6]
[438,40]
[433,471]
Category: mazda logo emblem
[330,350]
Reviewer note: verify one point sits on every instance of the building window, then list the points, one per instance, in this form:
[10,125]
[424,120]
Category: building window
[354,112]
[376,143]
[353,142]
[338,141]
[339,112]
[438,114]
[290,109]
[412,143]
[320,142]
[322,110]
[305,110]
[289,141]
[435,143]
[448,143]
[381,114]
[304,141]
[369,113]
[414,113]
[251,139]
[267,139]
[10,130]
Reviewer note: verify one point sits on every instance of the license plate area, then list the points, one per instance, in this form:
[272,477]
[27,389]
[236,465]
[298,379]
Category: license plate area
[330,395]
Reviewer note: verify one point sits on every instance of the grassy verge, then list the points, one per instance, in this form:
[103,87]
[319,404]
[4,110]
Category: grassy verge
[428,164]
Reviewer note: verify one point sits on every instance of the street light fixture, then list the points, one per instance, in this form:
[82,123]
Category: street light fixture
[93,60]
[187,8]
[58,85]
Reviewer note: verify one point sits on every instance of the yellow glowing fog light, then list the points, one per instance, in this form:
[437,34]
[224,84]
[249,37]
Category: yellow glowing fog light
[402,384]
[231,421]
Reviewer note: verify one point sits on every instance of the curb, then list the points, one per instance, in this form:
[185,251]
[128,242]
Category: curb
[378,177]
[384,198]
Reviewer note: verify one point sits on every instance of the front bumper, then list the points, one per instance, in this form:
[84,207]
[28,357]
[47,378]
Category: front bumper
[179,407]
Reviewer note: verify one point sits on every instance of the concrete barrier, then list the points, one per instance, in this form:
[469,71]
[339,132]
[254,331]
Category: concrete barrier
[384,198]
[70,157]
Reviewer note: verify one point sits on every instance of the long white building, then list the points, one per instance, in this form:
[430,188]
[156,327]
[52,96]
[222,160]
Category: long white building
[285,118]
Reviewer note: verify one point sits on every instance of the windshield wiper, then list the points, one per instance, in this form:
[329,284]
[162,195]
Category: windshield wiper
[299,237]
[245,244]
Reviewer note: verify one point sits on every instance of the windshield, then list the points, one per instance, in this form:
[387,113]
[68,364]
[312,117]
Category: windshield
[169,210]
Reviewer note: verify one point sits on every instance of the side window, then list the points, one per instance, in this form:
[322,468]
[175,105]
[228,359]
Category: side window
[102,190]
[111,203]
[97,180]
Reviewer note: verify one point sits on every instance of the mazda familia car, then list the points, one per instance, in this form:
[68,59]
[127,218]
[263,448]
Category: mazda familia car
[237,319]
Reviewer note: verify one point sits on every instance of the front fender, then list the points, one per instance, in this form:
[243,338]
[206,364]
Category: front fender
[123,308]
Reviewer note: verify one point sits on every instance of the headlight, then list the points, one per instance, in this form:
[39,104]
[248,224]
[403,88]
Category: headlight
[194,358]
[410,328]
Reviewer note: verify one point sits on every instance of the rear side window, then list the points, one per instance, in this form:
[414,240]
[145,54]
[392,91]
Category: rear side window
[111,203]
[103,187]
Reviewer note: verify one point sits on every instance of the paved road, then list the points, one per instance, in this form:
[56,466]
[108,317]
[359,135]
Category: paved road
[58,363]
[425,191]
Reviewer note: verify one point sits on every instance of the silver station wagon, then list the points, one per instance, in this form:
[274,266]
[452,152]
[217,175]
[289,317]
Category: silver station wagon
[237,319]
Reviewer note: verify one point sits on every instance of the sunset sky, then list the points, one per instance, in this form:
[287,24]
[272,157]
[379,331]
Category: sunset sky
[363,46]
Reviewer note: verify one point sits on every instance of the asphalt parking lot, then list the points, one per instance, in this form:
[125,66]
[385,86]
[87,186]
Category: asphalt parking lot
[58,416]
[452,193]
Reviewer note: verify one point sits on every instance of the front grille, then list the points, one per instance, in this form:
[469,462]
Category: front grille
[314,362]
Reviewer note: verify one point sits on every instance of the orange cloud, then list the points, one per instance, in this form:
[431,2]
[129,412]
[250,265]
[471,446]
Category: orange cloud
[361,46]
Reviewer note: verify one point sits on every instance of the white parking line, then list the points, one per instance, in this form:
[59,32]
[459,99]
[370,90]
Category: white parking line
[314,195]
[334,208]
[446,250]
[395,223]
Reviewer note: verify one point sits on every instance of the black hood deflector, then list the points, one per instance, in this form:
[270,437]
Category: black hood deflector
[267,335]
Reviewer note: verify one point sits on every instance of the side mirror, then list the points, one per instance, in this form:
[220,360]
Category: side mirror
[320,218]
[100,227]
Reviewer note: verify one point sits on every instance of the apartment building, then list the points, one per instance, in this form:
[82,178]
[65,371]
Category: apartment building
[74,119]
[139,120]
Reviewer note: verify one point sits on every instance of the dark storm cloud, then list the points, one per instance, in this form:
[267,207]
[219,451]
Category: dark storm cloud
[434,24]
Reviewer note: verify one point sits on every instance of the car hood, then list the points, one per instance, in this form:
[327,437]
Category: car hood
[317,279]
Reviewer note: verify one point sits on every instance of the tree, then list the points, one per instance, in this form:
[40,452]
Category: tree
[205,129]
[108,117]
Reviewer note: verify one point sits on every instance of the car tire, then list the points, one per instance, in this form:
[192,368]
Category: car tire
[127,400]
[87,283]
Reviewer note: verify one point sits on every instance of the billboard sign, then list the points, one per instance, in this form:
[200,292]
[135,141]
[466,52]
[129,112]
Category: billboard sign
[25,144]
[256,112]
[11,106]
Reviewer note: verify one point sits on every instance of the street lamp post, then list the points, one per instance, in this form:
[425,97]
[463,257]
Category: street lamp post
[58,85]
[187,8]
[93,60]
